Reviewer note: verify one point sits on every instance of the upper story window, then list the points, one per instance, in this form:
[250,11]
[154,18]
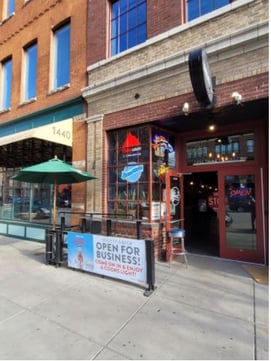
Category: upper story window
[30,72]
[9,8]
[197,8]
[6,80]
[61,72]
[128,24]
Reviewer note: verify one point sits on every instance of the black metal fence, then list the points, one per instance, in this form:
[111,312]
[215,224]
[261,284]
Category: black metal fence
[56,247]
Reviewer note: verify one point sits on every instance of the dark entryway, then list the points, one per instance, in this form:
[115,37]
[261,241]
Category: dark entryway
[200,213]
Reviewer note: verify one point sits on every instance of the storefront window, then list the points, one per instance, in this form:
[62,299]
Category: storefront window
[128,170]
[31,202]
[135,174]
[233,148]
[24,201]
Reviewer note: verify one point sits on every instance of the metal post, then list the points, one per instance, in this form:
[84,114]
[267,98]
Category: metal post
[62,224]
[150,267]
[58,255]
[48,246]
[138,229]
[84,225]
[108,227]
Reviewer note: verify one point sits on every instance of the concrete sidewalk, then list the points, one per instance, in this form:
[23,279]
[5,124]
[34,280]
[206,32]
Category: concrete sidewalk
[212,309]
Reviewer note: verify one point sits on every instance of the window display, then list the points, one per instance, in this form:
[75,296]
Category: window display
[135,174]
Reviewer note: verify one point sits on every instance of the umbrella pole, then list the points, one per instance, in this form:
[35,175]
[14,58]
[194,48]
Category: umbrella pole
[54,207]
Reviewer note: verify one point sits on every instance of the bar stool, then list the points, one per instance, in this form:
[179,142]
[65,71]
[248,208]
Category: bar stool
[177,234]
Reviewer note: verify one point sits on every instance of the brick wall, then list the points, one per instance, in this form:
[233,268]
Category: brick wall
[162,16]
[181,40]
[159,72]
[35,20]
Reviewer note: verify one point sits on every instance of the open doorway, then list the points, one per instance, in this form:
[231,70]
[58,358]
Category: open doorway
[200,213]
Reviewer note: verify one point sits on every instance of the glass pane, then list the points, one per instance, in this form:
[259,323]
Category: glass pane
[114,46]
[112,207]
[11,7]
[112,192]
[62,56]
[115,9]
[240,216]
[193,9]
[123,5]
[6,85]
[26,202]
[196,8]
[142,13]
[123,42]
[141,34]
[132,20]
[156,192]
[123,24]
[206,6]
[143,191]
[114,28]
[30,72]
[220,3]
[143,133]
[132,41]
[132,3]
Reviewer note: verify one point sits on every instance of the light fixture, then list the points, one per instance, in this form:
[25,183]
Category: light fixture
[237,97]
[211,127]
[222,140]
[186,108]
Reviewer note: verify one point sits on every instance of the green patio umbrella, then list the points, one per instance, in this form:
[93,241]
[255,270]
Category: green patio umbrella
[54,171]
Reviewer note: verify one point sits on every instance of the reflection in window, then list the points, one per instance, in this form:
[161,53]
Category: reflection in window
[6,84]
[61,56]
[197,8]
[128,170]
[240,209]
[233,148]
[128,24]
[227,149]
[25,201]
[250,146]
[9,8]
[30,72]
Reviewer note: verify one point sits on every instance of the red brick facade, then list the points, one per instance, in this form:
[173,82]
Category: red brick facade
[35,20]
[150,84]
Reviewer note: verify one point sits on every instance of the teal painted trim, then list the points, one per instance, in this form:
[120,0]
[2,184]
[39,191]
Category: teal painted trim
[28,231]
[46,116]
